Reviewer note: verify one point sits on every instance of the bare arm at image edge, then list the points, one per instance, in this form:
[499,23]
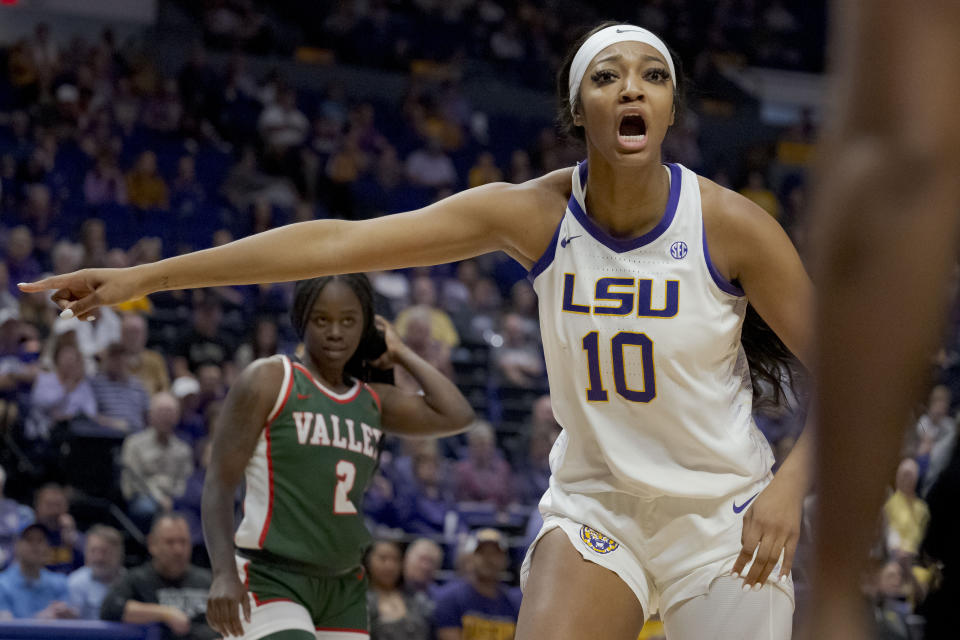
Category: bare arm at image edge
[886,220]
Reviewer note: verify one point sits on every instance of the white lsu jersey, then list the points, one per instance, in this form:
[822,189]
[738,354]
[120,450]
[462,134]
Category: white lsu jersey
[642,342]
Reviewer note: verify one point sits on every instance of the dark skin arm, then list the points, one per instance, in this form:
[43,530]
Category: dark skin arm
[239,425]
[440,411]
[887,217]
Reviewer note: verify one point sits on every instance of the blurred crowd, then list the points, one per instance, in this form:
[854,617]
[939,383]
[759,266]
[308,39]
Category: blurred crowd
[515,38]
[105,161]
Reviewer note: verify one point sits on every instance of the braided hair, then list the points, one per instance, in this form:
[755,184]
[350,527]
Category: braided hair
[372,344]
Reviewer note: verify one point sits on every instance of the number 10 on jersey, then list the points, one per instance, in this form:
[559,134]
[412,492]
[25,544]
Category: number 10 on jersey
[596,392]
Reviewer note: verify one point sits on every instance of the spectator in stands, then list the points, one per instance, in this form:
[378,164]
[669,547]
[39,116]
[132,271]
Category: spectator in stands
[192,425]
[164,110]
[22,266]
[202,342]
[935,436]
[757,190]
[534,476]
[13,518]
[50,505]
[520,168]
[262,343]
[167,589]
[430,167]
[122,401]
[484,476]
[395,614]
[103,567]
[156,463]
[424,294]
[906,514]
[245,182]
[188,503]
[478,606]
[18,370]
[523,302]
[91,338]
[104,183]
[518,360]
[185,187]
[485,308]
[425,505]
[892,607]
[342,170]
[7,298]
[421,561]
[484,171]
[146,365]
[146,189]
[61,394]
[283,127]
[93,240]
[416,333]
[27,589]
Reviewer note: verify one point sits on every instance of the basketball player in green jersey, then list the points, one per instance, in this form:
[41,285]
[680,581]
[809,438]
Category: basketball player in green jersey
[307,438]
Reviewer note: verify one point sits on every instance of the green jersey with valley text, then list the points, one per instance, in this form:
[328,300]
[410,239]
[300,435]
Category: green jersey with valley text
[306,479]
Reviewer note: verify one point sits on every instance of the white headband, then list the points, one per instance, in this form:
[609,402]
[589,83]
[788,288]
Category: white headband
[603,39]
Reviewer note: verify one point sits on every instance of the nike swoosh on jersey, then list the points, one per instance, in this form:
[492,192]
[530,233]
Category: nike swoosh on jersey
[301,396]
[565,241]
[737,509]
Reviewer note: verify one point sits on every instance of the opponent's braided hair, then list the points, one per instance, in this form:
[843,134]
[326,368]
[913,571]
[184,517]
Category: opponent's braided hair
[372,344]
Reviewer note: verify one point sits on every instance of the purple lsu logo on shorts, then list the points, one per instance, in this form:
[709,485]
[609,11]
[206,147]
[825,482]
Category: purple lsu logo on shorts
[597,541]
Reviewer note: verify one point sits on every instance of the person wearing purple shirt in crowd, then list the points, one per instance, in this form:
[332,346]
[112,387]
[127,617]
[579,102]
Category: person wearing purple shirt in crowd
[61,394]
[484,476]
[478,606]
[13,518]
[423,505]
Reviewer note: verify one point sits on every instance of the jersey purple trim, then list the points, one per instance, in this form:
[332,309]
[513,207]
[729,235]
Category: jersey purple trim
[547,258]
[629,244]
[724,284]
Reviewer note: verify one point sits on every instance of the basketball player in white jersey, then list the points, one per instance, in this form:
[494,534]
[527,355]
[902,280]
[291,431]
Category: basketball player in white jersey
[661,491]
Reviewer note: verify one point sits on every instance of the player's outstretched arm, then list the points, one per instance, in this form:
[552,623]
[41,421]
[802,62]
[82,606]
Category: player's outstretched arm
[440,411]
[476,221]
[245,411]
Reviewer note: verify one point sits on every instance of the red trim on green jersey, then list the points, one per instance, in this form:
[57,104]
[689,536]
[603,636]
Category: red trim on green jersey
[376,396]
[266,522]
[327,392]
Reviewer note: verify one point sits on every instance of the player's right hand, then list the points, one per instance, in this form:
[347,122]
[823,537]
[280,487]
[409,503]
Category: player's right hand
[79,293]
[227,597]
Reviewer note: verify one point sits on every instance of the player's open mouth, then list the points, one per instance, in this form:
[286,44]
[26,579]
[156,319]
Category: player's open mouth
[632,133]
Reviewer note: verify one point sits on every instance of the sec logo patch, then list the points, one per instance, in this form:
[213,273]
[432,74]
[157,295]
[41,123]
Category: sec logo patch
[597,541]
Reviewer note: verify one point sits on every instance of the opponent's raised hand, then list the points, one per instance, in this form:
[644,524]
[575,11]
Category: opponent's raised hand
[80,293]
